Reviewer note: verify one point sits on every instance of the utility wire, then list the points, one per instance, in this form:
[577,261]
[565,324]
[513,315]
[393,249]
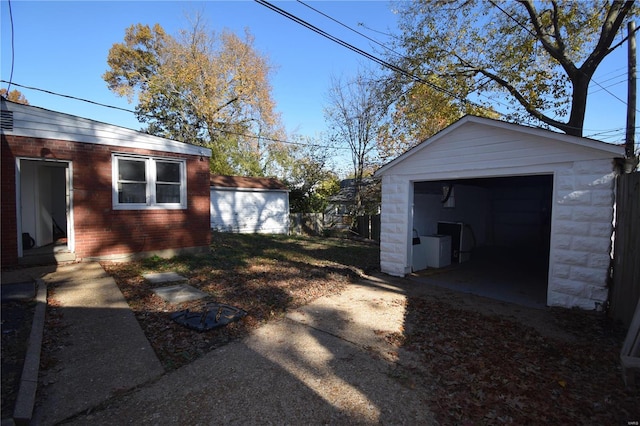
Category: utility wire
[152,116]
[12,48]
[351,29]
[381,44]
[361,52]
[381,61]
[520,24]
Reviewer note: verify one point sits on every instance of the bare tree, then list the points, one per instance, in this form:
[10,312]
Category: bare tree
[353,116]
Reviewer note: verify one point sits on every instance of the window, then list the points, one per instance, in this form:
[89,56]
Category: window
[142,183]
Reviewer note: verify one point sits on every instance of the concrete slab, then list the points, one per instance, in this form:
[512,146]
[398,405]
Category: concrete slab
[163,277]
[76,272]
[284,373]
[180,293]
[26,274]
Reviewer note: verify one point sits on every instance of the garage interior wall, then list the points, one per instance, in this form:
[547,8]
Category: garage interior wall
[511,212]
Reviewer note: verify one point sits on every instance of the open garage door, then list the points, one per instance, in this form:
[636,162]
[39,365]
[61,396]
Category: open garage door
[500,233]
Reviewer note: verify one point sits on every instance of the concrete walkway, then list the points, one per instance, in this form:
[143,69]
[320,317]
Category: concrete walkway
[102,350]
[326,363]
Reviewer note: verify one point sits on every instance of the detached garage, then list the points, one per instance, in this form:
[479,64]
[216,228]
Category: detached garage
[249,205]
[504,196]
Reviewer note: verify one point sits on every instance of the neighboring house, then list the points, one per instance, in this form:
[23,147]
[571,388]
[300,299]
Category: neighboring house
[98,191]
[344,202]
[340,214]
[522,189]
[249,205]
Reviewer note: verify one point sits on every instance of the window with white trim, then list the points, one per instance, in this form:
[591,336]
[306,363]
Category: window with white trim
[148,183]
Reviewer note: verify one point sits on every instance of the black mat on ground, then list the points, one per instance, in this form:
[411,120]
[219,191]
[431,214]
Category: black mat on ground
[211,316]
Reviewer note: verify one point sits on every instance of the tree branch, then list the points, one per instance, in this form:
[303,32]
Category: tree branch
[615,15]
[522,100]
[557,52]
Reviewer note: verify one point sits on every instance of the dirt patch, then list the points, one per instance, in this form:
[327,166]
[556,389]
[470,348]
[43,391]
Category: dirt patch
[487,362]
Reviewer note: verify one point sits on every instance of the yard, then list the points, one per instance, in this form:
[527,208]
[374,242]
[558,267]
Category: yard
[263,275]
[480,362]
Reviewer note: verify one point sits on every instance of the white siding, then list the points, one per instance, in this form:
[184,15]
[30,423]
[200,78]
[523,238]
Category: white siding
[583,193]
[249,211]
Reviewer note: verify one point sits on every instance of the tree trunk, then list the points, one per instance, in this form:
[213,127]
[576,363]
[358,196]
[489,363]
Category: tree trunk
[575,124]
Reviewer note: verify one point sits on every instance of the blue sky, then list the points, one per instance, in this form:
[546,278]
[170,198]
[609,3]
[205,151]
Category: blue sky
[62,47]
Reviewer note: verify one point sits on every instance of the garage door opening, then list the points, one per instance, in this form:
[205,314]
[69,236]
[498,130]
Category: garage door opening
[496,236]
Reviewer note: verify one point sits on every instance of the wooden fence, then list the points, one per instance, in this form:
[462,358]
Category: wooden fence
[320,224]
[625,289]
[306,223]
[368,227]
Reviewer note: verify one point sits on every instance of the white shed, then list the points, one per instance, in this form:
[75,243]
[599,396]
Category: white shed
[249,205]
[491,184]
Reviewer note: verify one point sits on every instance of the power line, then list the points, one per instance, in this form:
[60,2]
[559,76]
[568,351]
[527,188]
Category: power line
[382,62]
[12,48]
[351,29]
[69,97]
[361,52]
[520,24]
[391,50]
[263,138]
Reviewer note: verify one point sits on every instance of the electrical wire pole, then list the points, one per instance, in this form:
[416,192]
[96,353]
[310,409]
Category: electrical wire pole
[629,146]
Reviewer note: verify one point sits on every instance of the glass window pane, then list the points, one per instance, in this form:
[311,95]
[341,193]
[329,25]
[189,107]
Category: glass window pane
[168,172]
[132,193]
[167,193]
[131,170]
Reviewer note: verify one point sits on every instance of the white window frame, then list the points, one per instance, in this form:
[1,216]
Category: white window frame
[150,172]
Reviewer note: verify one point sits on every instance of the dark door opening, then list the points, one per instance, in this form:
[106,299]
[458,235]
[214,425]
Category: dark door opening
[507,226]
[44,211]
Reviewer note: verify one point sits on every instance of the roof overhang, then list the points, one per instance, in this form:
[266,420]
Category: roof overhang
[613,150]
[36,122]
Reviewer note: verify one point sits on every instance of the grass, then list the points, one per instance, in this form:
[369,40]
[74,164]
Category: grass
[264,275]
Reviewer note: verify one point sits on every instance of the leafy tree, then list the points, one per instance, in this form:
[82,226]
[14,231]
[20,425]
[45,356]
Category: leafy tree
[309,176]
[201,88]
[14,96]
[354,115]
[542,54]
[418,113]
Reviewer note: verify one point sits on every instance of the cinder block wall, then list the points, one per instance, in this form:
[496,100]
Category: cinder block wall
[581,235]
[101,231]
[394,226]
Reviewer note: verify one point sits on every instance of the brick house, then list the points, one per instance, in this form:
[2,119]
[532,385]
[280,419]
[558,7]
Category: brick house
[93,191]
[522,193]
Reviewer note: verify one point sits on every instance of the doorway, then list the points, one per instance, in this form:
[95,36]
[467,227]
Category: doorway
[44,211]
[506,224]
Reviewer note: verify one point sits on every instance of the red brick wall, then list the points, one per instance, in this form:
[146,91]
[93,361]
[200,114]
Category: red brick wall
[8,223]
[100,230]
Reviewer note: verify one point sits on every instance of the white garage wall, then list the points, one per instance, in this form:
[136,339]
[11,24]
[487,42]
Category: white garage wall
[249,210]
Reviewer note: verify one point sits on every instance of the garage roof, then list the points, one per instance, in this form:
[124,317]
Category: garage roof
[479,142]
[243,182]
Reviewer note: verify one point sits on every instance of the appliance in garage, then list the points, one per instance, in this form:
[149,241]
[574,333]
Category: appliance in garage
[461,240]
[437,249]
